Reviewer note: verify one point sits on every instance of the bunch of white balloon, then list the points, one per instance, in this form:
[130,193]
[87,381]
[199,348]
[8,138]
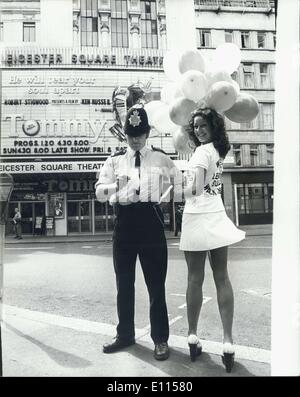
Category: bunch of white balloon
[196,81]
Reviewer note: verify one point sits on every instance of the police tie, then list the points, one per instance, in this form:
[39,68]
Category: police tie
[137,164]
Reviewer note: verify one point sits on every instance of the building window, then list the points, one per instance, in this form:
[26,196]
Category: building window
[89,23]
[249,125]
[254,155]
[266,115]
[245,39]
[237,154]
[264,75]
[270,153]
[149,24]
[274,40]
[1,31]
[204,38]
[256,199]
[228,36]
[248,75]
[29,31]
[261,39]
[119,23]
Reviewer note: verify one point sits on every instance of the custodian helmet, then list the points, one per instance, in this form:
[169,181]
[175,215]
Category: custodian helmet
[136,122]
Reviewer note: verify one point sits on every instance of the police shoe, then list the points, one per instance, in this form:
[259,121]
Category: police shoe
[117,344]
[161,351]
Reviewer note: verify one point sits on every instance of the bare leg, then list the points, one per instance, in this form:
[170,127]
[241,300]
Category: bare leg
[218,264]
[195,261]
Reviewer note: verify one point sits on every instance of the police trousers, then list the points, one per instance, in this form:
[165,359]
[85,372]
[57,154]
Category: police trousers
[139,231]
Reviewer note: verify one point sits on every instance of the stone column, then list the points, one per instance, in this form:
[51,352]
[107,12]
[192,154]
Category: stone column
[135,31]
[104,29]
[76,33]
[163,32]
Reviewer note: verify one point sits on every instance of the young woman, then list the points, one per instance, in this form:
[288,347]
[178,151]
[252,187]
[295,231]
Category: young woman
[206,227]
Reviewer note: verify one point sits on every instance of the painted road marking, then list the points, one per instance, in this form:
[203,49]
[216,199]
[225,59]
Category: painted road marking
[29,248]
[175,319]
[261,293]
[205,300]
[12,313]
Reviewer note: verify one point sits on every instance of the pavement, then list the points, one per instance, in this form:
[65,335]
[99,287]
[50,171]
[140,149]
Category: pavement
[251,230]
[38,344]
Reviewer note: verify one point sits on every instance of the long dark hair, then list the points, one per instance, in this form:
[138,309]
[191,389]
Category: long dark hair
[217,126]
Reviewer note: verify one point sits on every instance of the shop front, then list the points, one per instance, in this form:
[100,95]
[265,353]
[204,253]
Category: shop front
[253,197]
[61,205]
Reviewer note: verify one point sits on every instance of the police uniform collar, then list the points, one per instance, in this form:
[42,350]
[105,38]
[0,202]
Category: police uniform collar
[131,152]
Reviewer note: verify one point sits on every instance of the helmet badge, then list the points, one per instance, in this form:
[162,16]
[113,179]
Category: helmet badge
[135,119]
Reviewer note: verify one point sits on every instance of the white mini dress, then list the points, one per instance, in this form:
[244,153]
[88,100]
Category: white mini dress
[205,224]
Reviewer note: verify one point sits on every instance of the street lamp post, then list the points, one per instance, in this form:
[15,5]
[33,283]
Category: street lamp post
[6,187]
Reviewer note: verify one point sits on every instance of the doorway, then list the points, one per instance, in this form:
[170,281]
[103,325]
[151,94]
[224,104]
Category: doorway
[79,216]
[29,211]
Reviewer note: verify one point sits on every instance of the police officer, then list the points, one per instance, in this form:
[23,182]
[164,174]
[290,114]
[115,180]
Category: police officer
[133,180]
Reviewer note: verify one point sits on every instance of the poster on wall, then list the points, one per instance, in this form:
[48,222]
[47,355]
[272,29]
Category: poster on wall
[56,205]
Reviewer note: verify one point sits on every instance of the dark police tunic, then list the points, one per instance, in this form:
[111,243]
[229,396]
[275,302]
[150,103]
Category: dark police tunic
[139,231]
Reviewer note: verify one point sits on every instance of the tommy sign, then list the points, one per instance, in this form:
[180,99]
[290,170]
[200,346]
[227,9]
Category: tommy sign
[64,114]
[49,113]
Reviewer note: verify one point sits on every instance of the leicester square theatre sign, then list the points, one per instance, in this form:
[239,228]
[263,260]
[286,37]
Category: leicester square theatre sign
[99,60]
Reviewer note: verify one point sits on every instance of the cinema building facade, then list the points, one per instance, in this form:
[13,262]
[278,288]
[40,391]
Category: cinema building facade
[60,116]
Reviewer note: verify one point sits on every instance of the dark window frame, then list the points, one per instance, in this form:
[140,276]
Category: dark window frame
[119,24]
[202,38]
[89,23]
[29,28]
[149,28]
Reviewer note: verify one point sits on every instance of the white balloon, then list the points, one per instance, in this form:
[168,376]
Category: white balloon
[151,108]
[221,96]
[236,86]
[180,110]
[169,92]
[170,64]
[220,75]
[227,57]
[191,60]
[162,122]
[182,142]
[194,85]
